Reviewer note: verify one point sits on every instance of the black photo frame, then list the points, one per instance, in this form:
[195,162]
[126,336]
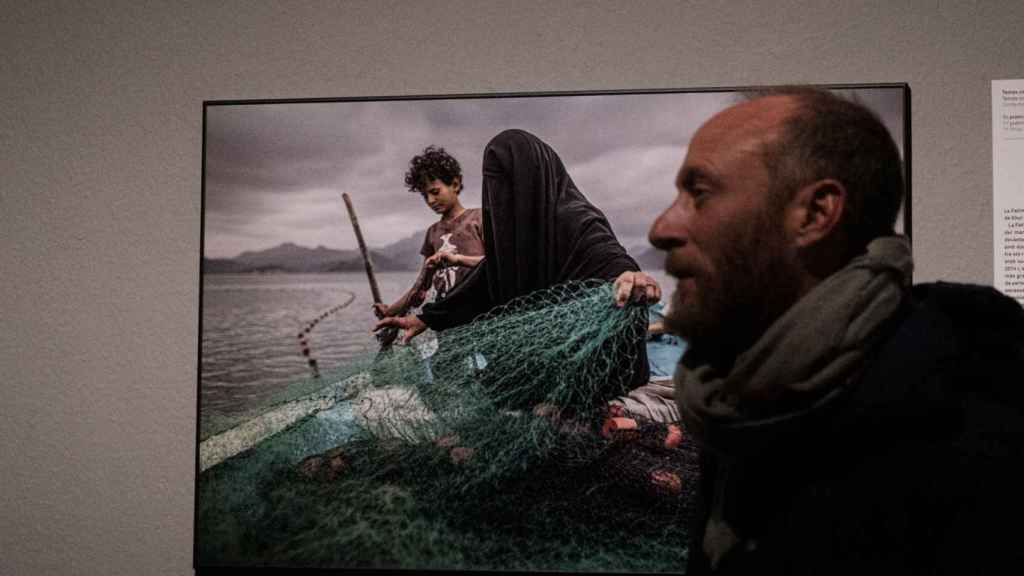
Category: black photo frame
[275,233]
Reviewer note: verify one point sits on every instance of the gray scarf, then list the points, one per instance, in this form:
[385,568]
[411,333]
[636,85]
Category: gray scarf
[803,360]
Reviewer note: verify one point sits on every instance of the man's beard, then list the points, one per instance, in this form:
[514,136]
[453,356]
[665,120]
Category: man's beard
[729,309]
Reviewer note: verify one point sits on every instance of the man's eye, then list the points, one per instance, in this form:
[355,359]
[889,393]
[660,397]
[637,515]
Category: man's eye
[700,193]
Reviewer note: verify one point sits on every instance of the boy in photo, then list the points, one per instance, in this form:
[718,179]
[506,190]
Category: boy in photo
[454,244]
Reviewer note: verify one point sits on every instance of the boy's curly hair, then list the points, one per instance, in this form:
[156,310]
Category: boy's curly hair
[433,164]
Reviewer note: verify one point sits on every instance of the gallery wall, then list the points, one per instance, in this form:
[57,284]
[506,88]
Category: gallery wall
[100,149]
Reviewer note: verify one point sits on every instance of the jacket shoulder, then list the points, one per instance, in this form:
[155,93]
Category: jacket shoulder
[988,327]
[970,304]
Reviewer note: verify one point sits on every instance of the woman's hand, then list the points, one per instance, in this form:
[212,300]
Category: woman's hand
[636,287]
[411,326]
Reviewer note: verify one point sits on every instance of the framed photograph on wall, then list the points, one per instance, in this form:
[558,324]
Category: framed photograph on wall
[325,446]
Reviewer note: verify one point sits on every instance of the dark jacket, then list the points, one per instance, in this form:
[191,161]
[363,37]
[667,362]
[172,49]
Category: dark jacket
[915,470]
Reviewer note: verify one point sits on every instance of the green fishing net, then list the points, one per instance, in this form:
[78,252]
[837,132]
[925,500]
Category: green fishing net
[498,450]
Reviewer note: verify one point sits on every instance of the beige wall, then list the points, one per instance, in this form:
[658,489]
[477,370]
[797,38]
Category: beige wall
[100,150]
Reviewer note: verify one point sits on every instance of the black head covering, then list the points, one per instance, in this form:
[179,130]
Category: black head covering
[540,230]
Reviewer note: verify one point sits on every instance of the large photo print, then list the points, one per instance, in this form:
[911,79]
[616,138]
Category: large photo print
[412,355]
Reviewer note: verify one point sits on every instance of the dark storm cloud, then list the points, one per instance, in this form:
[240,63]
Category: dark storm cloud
[275,172]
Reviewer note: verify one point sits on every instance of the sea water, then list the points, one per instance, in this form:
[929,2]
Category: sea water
[251,350]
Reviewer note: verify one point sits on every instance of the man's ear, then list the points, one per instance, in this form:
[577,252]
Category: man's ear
[817,211]
[457,184]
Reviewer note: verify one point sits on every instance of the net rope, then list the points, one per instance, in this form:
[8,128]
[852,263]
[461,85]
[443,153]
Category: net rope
[498,450]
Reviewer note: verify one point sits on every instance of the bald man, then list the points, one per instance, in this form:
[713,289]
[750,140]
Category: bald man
[849,422]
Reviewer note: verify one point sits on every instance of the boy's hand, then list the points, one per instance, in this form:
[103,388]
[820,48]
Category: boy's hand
[433,261]
[411,326]
[380,310]
[636,287]
[442,259]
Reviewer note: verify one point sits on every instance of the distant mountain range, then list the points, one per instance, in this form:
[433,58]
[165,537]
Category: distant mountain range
[291,258]
[403,255]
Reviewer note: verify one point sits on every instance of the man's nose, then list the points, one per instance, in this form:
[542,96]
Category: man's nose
[668,230]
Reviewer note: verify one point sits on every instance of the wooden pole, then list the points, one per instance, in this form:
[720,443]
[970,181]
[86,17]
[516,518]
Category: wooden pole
[386,336]
[362,248]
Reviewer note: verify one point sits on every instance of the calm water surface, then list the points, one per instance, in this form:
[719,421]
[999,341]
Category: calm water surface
[250,350]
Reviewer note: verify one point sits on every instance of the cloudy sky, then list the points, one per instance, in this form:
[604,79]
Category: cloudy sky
[275,172]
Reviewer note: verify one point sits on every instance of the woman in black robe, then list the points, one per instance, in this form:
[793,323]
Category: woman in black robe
[539,231]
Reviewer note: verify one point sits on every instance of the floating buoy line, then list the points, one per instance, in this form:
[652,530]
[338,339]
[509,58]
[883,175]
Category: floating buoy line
[303,336]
